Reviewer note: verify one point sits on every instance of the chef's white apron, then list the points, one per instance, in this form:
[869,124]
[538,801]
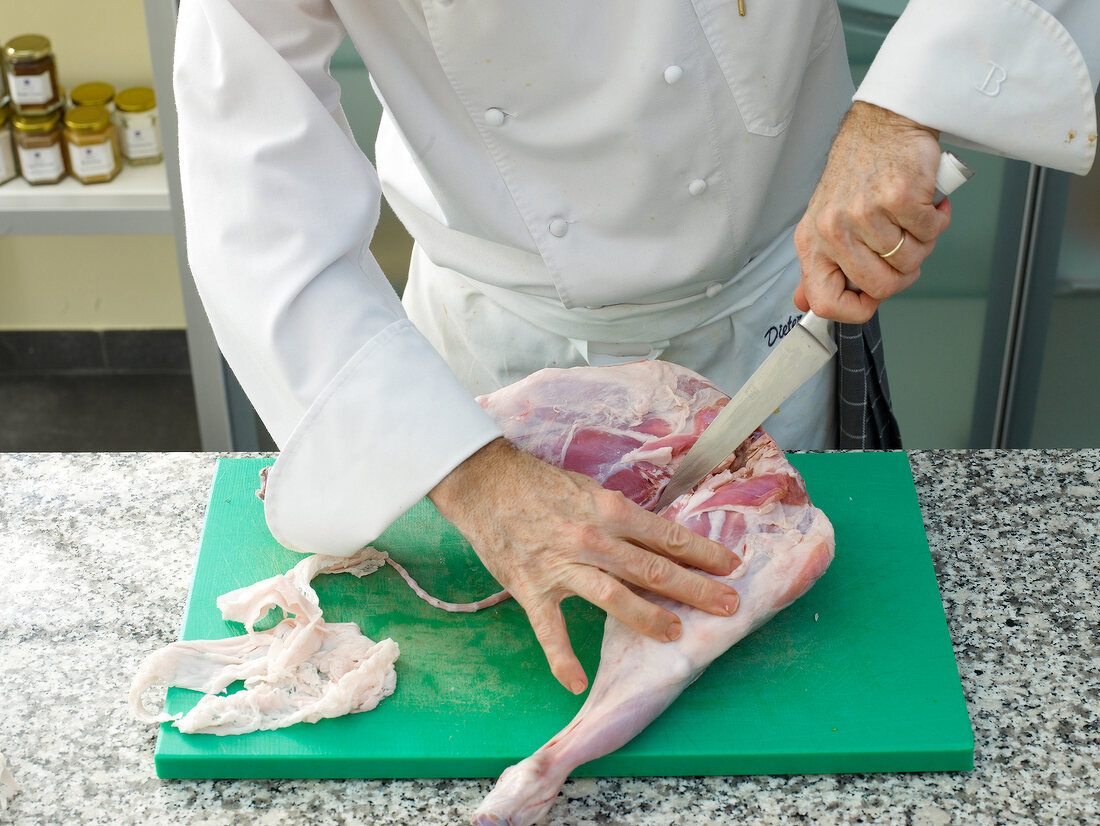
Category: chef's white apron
[491,337]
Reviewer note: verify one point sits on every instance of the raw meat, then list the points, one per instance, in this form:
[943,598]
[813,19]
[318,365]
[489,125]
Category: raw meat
[303,669]
[8,787]
[624,425]
[628,426]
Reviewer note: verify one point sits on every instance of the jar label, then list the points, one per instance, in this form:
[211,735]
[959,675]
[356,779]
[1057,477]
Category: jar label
[44,164]
[141,142]
[30,89]
[7,157]
[92,161]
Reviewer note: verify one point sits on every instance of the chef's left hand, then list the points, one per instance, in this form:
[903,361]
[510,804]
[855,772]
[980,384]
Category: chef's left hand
[877,189]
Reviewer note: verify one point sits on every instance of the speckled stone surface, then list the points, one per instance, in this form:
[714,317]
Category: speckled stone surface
[96,555]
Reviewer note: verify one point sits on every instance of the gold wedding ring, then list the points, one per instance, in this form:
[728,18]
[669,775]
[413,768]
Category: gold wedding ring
[885,255]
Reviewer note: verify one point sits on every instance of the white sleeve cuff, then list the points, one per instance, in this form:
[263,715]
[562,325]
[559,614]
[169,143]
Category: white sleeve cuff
[1004,76]
[388,427]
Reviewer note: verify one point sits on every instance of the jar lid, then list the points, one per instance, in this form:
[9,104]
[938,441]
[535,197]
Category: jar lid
[27,47]
[92,94]
[136,99]
[35,123]
[88,118]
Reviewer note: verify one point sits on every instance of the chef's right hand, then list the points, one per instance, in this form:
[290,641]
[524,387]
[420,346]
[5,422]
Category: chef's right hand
[547,534]
[870,222]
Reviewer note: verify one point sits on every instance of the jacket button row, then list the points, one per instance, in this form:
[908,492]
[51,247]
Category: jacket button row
[673,74]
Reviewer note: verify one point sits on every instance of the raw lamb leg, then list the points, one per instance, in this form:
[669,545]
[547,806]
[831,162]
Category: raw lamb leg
[755,504]
[624,426]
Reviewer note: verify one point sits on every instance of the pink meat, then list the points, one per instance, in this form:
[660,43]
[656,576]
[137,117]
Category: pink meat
[629,426]
[623,426]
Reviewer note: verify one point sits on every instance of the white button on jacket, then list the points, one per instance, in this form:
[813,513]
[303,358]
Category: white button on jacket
[492,131]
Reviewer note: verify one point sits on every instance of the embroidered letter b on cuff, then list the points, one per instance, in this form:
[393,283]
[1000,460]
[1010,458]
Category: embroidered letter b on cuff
[991,86]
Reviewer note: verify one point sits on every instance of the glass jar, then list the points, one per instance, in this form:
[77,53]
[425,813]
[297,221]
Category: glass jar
[139,132]
[31,72]
[38,147]
[94,94]
[92,142]
[8,169]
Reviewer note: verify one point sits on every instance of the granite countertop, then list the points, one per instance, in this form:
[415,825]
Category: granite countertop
[96,551]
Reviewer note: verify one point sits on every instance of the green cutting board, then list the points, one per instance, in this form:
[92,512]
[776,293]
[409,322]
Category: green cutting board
[857,676]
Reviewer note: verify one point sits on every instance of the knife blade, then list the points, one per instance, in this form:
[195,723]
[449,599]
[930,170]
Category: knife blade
[798,356]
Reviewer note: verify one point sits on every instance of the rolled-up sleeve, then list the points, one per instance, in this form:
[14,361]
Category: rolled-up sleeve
[280,206]
[1012,77]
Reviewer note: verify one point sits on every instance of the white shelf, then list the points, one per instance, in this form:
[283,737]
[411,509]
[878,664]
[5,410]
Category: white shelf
[134,203]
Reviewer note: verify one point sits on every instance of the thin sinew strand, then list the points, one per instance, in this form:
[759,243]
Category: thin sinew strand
[456,607]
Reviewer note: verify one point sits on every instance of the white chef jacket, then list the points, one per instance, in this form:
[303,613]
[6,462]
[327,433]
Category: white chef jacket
[590,154]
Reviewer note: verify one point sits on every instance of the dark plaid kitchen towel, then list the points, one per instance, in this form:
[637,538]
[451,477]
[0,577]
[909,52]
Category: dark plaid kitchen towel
[865,419]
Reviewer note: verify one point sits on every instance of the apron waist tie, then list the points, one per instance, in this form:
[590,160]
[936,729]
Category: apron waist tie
[628,332]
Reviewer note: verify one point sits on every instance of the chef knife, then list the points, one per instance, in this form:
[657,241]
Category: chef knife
[798,356]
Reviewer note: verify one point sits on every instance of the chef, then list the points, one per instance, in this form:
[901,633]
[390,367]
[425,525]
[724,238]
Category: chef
[586,183]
